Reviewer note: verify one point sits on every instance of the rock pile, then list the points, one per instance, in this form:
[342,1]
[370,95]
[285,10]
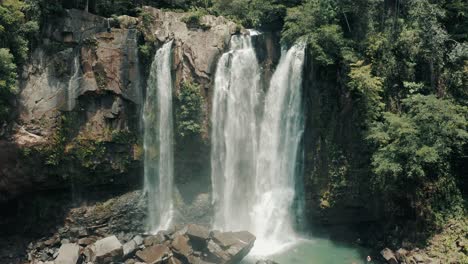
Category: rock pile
[188,244]
[403,256]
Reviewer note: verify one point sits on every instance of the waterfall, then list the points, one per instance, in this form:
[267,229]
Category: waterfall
[158,141]
[254,161]
[280,134]
[234,134]
[73,84]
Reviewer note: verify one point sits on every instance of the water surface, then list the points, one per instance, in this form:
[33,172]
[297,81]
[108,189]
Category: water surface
[314,251]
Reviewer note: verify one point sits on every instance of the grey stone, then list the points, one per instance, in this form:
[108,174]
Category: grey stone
[154,254]
[198,232]
[132,245]
[129,248]
[107,250]
[68,254]
[388,255]
[85,241]
[138,240]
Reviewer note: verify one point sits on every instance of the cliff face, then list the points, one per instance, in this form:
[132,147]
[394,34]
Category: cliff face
[82,93]
[336,171]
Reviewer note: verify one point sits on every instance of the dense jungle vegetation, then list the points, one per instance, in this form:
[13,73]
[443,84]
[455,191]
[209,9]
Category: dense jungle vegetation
[405,64]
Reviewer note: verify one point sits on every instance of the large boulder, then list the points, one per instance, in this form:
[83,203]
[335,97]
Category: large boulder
[132,245]
[68,254]
[230,247]
[107,250]
[154,254]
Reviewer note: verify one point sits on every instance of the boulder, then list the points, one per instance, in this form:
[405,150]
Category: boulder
[198,260]
[181,246]
[217,254]
[198,236]
[198,232]
[227,239]
[389,256]
[86,241]
[107,250]
[230,247]
[68,254]
[132,245]
[154,254]
[266,261]
[401,255]
[154,240]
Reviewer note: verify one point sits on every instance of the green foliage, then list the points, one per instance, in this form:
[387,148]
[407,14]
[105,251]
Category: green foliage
[123,137]
[189,110]
[368,89]
[321,31]
[414,153]
[146,54]
[7,81]
[456,19]
[115,7]
[15,30]
[54,152]
[89,152]
[146,18]
[194,18]
[252,13]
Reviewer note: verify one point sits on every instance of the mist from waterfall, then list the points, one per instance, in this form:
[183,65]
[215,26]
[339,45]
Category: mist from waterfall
[234,134]
[254,159]
[158,141]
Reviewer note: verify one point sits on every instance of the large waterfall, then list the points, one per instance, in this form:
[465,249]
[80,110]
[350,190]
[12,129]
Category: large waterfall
[254,159]
[280,134]
[158,141]
[234,135]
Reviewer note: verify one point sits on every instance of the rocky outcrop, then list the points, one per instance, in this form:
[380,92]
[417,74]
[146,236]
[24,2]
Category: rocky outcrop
[403,256]
[81,59]
[196,49]
[79,104]
[113,231]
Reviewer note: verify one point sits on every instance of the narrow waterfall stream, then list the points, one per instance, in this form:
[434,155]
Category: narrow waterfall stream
[73,83]
[158,141]
[234,135]
[253,160]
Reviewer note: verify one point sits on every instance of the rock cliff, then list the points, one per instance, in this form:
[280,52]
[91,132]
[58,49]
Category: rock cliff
[82,91]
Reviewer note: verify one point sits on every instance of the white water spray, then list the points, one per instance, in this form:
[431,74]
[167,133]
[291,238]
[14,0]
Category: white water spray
[234,135]
[158,141]
[280,134]
[253,162]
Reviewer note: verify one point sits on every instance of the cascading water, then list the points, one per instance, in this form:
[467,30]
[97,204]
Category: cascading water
[158,141]
[280,134]
[234,135]
[253,162]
